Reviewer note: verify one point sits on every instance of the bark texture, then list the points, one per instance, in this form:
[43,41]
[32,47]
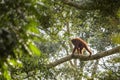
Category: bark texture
[85,58]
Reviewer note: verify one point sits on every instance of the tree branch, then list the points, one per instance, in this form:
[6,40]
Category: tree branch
[83,5]
[85,58]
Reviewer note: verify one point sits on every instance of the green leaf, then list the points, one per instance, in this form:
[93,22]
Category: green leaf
[118,13]
[34,49]
[13,62]
[116,38]
[6,73]
[32,26]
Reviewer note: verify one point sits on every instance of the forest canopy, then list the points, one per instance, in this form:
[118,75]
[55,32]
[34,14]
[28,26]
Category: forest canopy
[35,39]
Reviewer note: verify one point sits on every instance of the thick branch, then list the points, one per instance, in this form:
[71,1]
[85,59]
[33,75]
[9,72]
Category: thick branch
[85,58]
[83,5]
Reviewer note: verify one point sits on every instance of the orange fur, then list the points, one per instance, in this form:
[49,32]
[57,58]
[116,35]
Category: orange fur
[79,45]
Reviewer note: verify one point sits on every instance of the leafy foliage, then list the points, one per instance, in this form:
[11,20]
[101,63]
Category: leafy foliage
[15,17]
[36,32]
